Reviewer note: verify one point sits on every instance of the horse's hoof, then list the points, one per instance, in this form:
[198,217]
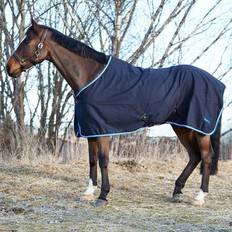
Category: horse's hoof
[177,197]
[100,202]
[199,199]
[89,197]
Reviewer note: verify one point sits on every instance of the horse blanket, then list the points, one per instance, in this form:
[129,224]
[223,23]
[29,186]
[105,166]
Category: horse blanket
[124,98]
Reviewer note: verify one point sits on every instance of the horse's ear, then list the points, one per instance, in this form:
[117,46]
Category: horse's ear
[35,26]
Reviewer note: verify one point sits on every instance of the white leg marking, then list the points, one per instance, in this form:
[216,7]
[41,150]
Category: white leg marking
[90,189]
[200,198]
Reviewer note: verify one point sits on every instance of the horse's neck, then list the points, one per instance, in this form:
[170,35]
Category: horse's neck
[77,71]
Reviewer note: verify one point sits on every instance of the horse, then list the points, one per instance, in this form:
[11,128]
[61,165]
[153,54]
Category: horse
[80,65]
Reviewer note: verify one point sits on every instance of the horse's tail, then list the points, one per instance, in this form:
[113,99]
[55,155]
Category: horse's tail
[215,141]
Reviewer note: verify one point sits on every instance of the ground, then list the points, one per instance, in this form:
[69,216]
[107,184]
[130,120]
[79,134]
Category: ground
[45,197]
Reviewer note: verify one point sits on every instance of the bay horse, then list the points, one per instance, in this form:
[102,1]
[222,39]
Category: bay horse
[79,65]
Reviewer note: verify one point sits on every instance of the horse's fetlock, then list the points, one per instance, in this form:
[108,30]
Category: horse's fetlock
[179,185]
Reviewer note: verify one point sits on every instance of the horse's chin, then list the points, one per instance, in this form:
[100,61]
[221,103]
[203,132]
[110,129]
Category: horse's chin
[15,74]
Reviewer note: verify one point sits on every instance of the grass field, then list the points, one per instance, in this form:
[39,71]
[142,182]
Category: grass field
[45,197]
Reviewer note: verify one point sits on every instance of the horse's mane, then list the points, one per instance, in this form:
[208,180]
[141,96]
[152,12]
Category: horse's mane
[76,46]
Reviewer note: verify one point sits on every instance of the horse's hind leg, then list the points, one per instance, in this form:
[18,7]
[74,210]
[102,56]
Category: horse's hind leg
[189,141]
[180,182]
[204,144]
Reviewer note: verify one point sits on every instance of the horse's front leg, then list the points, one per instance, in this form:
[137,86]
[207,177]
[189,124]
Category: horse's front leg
[103,155]
[93,158]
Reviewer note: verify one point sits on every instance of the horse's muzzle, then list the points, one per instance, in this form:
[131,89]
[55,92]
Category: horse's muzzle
[13,68]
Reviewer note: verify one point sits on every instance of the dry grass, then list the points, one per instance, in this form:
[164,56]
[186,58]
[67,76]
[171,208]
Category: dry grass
[45,197]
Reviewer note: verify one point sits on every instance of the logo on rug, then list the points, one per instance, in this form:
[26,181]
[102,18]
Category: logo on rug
[207,120]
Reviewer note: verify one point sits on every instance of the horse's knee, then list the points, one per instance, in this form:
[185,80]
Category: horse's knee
[103,161]
[92,161]
[103,152]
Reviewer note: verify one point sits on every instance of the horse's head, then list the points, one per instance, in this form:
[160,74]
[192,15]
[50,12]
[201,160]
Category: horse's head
[32,50]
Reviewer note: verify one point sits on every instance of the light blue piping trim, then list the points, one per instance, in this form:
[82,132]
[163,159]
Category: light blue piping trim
[110,134]
[98,76]
[182,125]
[140,129]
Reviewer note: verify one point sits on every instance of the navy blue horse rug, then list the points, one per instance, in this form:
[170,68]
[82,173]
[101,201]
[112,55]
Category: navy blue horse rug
[124,98]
